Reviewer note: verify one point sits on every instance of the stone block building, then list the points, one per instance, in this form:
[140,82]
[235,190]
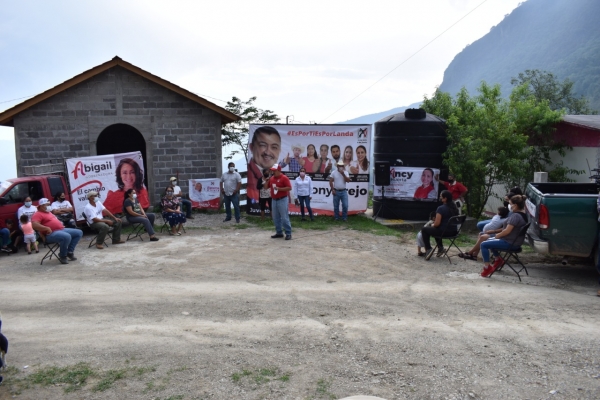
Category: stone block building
[117,107]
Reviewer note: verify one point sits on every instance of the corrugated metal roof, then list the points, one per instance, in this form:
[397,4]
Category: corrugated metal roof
[589,121]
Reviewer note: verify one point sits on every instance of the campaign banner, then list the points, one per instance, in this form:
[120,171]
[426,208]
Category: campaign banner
[111,176]
[317,148]
[205,193]
[411,183]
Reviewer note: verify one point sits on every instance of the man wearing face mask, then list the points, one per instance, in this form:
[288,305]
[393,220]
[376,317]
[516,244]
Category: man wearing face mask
[186,205]
[63,210]
[95,211]
[337,183]
[46,223]
[27,208]
[231,183]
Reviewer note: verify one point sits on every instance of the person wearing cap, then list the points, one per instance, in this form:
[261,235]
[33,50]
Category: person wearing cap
[457,189]
[280,189]
[231,183]
[337,183]
[95,213]
[186,205]
[47,224]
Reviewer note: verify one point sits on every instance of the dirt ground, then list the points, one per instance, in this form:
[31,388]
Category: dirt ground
[228,313]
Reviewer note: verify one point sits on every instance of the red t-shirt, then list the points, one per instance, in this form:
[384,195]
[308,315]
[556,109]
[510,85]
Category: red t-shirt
[457,190]
[47,219]
[282,181]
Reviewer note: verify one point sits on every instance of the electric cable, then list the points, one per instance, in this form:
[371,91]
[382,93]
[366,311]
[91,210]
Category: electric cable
[403,62]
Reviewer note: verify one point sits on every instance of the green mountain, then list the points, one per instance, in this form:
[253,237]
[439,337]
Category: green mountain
[558,36]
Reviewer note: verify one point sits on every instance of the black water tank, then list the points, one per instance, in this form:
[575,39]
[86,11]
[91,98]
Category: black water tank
[409,139]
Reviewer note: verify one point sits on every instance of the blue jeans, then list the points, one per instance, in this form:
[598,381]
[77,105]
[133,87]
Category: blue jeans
[481,224]
[67,240]
[235,199]
[305,200]
[4,236]
[281,218]
[186,207]
[494,245]
[340,195]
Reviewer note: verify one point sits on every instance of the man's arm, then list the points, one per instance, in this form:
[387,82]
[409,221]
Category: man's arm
[346,177]
[239,184]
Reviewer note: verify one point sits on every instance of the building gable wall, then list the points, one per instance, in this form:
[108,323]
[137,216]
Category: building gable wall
[181,135]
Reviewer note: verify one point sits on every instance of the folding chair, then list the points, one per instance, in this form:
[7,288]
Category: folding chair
[514,254]
[137,230]
[52,248]
[458,221]
[165,224]
[93,241]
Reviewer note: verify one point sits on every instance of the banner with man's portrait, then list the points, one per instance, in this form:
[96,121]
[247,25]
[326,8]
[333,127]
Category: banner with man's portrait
[317,148]
[205,194]
[111,176]
[415,183]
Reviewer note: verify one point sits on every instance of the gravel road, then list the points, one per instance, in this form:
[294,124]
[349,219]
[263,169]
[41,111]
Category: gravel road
[225,312]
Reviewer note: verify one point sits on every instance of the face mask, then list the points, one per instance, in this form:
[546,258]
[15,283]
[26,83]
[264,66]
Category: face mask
[231,169]
[135,196]
[302,174]
[341,169]
[169,193]
[174,183]
[27,204]
[61,200]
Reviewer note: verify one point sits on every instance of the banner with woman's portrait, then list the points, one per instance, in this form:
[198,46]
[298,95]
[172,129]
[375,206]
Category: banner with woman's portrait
[317,149]
[407,183]
[205,194]
[111,176]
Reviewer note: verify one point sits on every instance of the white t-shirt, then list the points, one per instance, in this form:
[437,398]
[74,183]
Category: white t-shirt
[57,205]
[338,179]
[176,190]
[92,212]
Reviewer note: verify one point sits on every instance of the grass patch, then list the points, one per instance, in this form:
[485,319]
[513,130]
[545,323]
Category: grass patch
[355,222]
[73,377]
[322,390]
[109,378]
[259,376]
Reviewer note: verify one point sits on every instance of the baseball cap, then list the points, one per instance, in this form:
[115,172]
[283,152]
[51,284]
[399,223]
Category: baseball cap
[92,193]
[276,167]
[173,179]
[43,201]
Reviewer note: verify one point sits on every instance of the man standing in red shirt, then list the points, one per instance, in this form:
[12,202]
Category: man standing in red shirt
[46,223]
[457,189]
[280,188]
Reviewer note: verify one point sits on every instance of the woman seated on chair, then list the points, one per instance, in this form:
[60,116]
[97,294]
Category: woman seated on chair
[508,237]
[488,231]
[135,213]
[440,226]
[171,212]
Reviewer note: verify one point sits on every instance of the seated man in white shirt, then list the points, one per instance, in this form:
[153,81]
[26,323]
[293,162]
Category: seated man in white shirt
[94,212]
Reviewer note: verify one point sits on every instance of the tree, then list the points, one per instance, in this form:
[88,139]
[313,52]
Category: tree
[543,85]
[482,140]
[236,133]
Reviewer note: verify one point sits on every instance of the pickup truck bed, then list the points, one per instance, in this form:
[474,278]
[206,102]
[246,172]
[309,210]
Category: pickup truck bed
[564,218]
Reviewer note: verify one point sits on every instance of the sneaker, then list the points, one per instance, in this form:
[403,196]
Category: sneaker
[71,256]
[277,236]
[227,219]
[487,271]
[63,260]
[428,254]
[440,252]
[288,237]
[154,239]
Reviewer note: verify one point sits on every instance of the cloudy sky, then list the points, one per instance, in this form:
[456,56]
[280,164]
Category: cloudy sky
[303,59]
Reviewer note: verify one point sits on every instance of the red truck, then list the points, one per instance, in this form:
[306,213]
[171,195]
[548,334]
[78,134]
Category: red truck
[14,191]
